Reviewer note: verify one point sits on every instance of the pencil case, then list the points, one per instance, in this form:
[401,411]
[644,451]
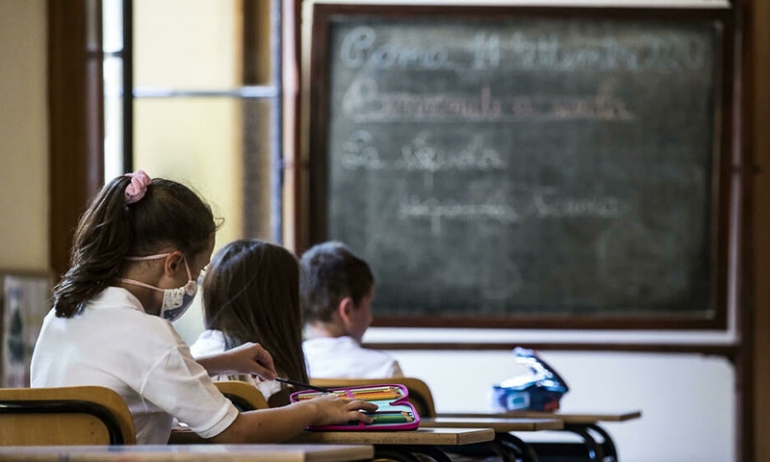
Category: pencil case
[394,411]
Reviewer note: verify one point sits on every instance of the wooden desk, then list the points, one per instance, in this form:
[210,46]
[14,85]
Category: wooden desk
[567,417]
[389,444]
[506,446]
[498,424]
[419,437]
[584,424]
[403,445]
[187,453]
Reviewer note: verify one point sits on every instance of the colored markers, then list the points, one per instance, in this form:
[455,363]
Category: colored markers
[388,416]
[366,394]
[391,418]
[376,393]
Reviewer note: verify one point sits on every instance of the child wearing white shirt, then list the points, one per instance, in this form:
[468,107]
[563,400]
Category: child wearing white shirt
[337,291]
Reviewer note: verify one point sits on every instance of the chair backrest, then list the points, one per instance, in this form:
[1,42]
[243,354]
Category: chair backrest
[419,393]
[245,396]
[85,415]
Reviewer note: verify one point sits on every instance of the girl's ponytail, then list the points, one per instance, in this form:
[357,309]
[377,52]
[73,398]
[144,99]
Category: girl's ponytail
[101,243]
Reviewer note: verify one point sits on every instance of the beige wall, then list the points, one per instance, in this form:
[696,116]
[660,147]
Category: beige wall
[23,137]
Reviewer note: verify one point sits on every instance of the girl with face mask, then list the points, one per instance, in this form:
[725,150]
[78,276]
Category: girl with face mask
[138,251]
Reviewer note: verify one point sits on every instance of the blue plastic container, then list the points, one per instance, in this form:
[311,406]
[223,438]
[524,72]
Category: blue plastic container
[540,391]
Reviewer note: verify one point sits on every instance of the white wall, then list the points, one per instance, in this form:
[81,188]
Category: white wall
[23,137]
[687,401]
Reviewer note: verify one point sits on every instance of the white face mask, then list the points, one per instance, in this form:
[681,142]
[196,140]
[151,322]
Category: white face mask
[175,301]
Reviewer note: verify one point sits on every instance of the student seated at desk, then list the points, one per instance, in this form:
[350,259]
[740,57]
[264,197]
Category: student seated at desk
[138,251]
[251,294]
[337,291]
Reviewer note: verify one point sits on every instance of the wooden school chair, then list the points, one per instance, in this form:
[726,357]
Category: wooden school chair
[419,393]
[245,396]
[83,415]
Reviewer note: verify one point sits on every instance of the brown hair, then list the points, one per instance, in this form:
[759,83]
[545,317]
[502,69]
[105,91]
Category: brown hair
[331,272]
[169,214]
[251,294]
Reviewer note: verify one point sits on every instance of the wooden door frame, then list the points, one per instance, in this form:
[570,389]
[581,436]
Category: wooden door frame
[754,367]
[75,119]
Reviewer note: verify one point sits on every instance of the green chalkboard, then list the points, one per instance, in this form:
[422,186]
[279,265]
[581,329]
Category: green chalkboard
[501,167]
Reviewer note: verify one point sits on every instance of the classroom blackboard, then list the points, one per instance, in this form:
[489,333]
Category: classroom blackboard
[500,167]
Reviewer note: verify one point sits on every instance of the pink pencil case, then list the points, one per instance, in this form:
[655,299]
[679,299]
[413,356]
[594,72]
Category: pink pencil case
[394,411]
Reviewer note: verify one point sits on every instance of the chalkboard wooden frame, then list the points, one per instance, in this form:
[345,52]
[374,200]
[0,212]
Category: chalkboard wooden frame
[725,226]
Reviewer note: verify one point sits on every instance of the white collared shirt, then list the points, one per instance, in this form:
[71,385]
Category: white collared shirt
[344,358]
[114,344]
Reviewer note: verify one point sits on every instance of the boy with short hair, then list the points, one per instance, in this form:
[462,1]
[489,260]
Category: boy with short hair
[337,289]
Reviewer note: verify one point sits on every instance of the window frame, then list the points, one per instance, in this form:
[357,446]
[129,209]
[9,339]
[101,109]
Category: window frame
[262,80]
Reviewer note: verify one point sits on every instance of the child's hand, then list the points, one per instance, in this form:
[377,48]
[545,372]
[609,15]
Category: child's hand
[251,358]
[334,410]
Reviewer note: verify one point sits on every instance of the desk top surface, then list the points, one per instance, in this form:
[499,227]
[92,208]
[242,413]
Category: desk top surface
[566,416]
[196,452]
[498,424]
[421,436]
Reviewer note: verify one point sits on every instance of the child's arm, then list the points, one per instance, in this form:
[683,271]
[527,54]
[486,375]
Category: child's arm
[279,424]
[249,358]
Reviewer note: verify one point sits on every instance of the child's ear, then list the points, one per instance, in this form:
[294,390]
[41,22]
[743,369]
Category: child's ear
[172,262]
[345,309]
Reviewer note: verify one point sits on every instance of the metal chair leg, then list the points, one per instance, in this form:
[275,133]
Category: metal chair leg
[595,450]
[610,451]
[525,451]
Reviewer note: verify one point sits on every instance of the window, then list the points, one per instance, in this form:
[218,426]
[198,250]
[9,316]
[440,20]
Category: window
[202,103]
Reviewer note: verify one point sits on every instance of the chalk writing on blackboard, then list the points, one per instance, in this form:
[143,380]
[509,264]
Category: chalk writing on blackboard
[543,51]
[364,102]
[506,167]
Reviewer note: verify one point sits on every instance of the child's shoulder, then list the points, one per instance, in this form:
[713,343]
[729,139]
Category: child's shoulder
[209,341]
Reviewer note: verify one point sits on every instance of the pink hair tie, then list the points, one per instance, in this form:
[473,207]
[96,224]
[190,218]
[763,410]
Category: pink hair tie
[138,186]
